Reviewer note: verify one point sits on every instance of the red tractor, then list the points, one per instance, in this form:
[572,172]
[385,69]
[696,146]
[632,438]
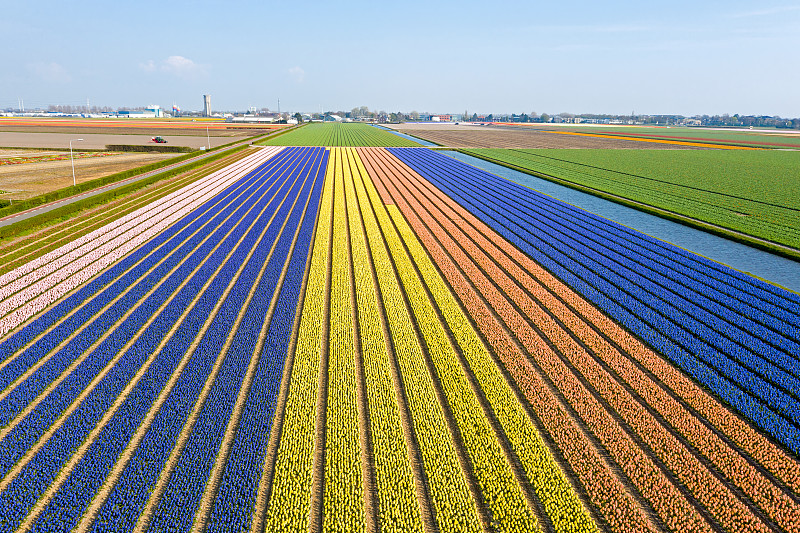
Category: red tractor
[158,139]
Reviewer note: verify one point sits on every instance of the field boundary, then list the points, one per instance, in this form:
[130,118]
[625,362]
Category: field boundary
[723,143]
[66,192]
[438,146]
[144,148]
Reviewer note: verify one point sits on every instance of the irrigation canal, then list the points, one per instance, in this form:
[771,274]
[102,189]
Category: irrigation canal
[770,267]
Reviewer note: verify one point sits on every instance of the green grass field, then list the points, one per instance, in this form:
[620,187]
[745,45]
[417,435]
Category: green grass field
[756,192]
[338,134]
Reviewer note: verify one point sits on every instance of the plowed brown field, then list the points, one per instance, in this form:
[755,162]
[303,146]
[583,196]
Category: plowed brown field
[465,136]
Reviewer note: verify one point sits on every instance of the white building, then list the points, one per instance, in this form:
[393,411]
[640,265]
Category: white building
[250,119]
[207,105]
[152,111]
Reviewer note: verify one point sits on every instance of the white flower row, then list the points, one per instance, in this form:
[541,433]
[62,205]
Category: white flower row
[79,246]
[55,262]
[97,237]
[22,304]
[44,265]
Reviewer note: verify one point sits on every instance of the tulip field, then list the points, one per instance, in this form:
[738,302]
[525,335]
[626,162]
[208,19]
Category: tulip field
[357,337]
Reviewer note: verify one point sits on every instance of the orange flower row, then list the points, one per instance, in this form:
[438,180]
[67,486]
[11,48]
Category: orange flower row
[592,365]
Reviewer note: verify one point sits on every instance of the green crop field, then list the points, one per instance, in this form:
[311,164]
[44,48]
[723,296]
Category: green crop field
[337,134]
[754,192]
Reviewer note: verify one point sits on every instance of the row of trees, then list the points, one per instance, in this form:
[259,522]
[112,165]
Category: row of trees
[364,112]
[750,120]
[705,120]
[81,109]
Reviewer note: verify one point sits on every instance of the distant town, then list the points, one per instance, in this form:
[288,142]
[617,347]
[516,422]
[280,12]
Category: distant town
[364,114]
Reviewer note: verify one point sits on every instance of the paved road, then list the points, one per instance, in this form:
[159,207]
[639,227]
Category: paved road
[98,141]
[22,215]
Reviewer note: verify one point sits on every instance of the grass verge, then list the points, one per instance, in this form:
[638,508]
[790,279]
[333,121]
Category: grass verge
[27,245]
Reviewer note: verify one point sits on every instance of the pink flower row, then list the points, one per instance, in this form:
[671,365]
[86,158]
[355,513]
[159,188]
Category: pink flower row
[55,274]
[42,266]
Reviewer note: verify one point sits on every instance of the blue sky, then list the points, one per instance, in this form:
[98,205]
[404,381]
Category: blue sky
[583,57]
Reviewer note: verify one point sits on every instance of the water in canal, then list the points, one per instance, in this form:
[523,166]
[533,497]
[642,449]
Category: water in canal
[770,267]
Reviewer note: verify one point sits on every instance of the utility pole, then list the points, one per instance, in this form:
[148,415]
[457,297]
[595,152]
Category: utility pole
[74,183]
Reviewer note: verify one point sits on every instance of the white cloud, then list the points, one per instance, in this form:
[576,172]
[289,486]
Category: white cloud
[182,67]
[179,66]
[297,74]
[49,72]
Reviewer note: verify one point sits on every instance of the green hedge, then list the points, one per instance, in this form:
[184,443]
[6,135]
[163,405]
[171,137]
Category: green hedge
[147,148]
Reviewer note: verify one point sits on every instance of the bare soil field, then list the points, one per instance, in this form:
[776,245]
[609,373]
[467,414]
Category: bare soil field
[122,130]
[99,141]
[19,182]
[468,136]
[135,127]
[132,130]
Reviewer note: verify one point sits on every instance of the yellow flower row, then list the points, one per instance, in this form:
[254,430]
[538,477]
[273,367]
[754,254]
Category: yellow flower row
[398,508]
[451,500]
[290,500]
[343,504]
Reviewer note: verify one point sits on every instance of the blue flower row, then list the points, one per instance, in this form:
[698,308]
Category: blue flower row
[253,200]
[670,299]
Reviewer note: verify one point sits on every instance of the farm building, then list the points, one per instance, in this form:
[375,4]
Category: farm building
[153,111]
